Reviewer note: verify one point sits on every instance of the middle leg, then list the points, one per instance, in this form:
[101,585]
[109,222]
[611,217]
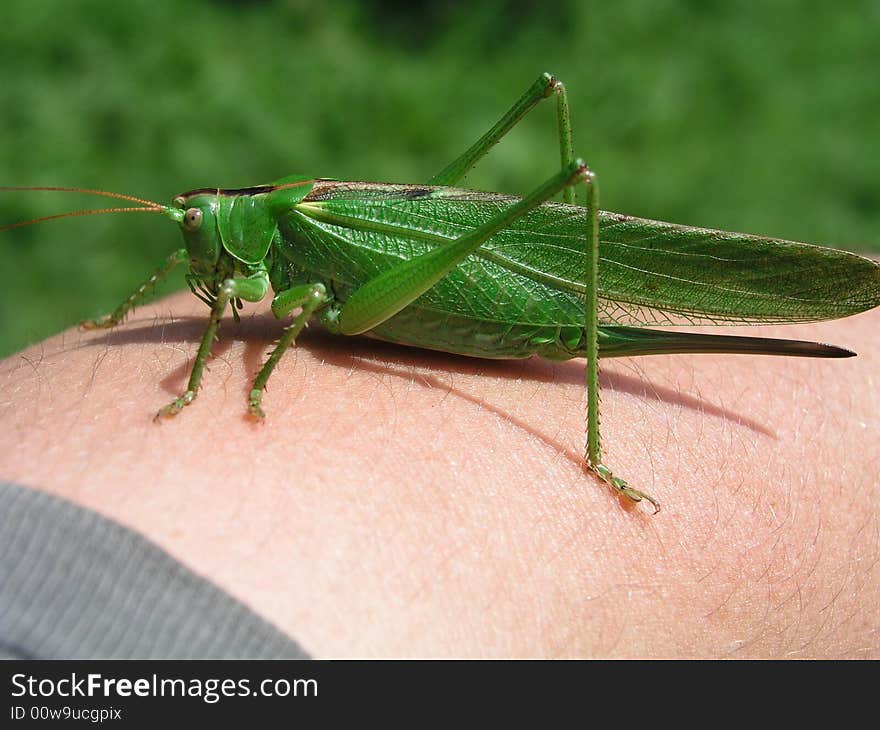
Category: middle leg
[308,297]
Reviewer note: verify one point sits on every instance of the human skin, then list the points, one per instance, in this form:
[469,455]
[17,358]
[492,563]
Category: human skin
[397,502]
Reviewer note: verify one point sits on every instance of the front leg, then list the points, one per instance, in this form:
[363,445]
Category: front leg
[139,294]
[251,289]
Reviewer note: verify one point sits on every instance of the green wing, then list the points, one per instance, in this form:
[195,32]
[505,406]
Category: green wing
[649,273]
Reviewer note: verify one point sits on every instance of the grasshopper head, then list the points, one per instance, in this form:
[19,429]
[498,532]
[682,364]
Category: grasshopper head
[239,222]
[196,213]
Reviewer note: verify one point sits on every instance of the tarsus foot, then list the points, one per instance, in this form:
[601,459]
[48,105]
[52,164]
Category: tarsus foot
[102,323]
[254,409]
[176,406]
[621,487]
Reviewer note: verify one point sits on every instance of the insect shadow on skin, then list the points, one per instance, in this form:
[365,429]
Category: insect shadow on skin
[258,332]
[490,275]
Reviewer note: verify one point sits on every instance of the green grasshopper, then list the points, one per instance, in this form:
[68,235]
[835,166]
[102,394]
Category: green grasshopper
[491,275]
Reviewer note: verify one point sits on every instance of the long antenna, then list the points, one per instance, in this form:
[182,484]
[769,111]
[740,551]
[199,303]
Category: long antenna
[58,216]
[87,191]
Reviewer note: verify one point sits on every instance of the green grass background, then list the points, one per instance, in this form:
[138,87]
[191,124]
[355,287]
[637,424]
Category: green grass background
[757,116]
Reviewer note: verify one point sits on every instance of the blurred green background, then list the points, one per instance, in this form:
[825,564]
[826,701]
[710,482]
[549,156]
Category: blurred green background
[759,117]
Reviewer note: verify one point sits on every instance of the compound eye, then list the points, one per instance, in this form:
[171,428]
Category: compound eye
[192,219]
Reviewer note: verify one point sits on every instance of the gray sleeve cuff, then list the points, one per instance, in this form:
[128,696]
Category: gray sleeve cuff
[76,585]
